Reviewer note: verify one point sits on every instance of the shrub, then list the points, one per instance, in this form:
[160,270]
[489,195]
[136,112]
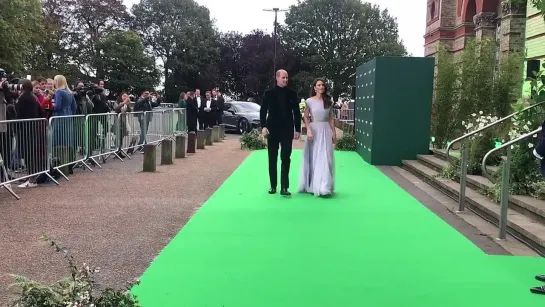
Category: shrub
[472,82]
[480,143]
[525,178]
[252,140]
[346,143]
[78,290]
[443,125]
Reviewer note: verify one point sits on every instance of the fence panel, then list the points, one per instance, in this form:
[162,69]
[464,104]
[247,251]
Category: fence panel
[131,136]
[152,124]
[179,120]
[23,151]
[67,146]
[103,133]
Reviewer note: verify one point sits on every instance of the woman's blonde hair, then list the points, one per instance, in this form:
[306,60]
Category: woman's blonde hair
[60,83]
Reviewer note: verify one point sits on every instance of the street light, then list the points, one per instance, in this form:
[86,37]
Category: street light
[275,10]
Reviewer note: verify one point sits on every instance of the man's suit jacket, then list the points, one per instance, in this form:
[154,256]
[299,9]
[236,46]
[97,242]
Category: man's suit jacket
[213,106]
[278,118]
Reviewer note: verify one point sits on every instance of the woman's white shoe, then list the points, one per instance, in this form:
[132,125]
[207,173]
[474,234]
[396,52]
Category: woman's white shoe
[28,184]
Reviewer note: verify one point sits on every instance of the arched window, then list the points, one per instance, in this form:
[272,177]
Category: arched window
[432,10]
[471,10]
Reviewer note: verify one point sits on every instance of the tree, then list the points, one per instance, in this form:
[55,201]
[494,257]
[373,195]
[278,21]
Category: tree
[125,64]
[247,63]
[229,63]
[88,23]
[49,57]
[20,25]
[182,35]
[335,36]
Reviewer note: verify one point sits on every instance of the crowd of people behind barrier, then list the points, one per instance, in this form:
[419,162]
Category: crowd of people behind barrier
[45,126]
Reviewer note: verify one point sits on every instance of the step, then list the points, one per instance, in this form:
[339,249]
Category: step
[526,229]
[437,164]
[442,154]
[455,155]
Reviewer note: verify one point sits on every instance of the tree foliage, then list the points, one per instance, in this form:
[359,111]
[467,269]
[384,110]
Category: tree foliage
[176,41]
[123,60]
[20,26]
[336,36]
[182,35]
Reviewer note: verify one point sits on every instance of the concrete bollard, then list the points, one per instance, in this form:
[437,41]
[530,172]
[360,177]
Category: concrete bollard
[150,164]
[191,141]
[222,132]
[166,152]
[208,134]
[179,152]
[200,139]
[216,134]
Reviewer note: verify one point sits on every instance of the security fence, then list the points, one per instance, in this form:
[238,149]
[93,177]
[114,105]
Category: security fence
[35,150]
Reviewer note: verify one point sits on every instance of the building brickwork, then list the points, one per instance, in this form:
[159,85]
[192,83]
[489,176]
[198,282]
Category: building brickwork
[454,22]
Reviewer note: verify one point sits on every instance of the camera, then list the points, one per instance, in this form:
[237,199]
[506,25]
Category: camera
[11,86]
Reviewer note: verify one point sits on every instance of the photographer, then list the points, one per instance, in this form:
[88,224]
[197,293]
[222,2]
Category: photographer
[146,103]
[84,105]
[7,133]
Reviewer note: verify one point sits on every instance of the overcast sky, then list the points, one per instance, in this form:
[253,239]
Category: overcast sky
[246,15]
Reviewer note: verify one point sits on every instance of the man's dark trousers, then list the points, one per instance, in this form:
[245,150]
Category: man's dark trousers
[284,140]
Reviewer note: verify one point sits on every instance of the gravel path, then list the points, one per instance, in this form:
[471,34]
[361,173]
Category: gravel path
[116,218]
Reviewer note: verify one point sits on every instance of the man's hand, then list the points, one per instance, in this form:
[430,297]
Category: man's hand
[296,135]
[265,131]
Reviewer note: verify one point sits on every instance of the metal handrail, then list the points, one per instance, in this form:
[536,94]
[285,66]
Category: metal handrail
[465,153]
[511,142]
[501,120]
[505,174]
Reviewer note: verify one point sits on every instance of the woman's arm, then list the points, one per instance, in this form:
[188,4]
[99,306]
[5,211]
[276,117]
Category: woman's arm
[332,123]
[58,101]
[306,119]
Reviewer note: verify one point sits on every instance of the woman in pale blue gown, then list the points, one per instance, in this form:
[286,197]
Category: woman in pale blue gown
[318,166]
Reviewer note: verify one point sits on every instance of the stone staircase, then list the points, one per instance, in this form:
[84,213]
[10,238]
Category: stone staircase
[526,215]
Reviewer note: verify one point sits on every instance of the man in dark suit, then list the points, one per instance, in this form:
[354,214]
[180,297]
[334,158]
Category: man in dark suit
[200,113]
[208,110]
[281,127]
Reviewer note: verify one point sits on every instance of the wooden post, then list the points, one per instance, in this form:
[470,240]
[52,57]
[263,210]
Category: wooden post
[166,152]
[149,158]
[222,132]
[208,136]
[216,134]
[200,139]
[180,146]
[191,141]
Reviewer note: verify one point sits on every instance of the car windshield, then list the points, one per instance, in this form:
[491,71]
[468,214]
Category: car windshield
[248,107]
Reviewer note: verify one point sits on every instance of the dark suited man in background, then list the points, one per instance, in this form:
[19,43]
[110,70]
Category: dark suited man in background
[200,114]
[208,109]
[281,127]
[220,104]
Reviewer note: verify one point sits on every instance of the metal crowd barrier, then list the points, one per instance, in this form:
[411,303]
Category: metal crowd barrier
[67,146]
[23,152]
[103,132]
[30,148]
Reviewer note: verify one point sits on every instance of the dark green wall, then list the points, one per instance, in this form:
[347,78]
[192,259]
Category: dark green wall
[393,108]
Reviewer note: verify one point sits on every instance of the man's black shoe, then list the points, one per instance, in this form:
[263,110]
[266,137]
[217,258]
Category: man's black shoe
[540,278]
[284,192]
[538,290]
[272,191]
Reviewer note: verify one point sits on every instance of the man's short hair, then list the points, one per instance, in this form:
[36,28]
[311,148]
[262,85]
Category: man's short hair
[40,79]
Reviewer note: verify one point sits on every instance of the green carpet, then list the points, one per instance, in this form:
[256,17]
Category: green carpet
[371,245]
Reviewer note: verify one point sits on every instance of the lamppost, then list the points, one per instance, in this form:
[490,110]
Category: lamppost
[275,10]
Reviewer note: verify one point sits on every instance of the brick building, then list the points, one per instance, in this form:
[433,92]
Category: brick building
[453,22]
